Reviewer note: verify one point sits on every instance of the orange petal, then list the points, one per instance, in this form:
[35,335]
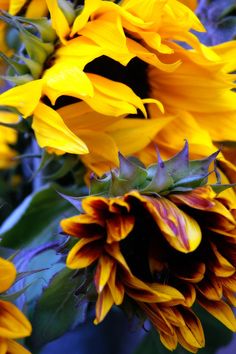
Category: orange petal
[211,288]
[169,341]
[192,332]
[84,253]
[103,304]
[13,324]
[82,226]
[15,348]
[221,311]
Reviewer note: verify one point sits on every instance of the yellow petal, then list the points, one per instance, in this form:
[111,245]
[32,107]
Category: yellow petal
[36,9]
[66,78]
[59,21]
[7,274]
[9,117]
[51,131]
[80,49]
[126,131]
[103,304]
[13,324]
[81,20]
[116,287]
[15,6]
[113,98]
[103,272]
[24,97]
[80,117]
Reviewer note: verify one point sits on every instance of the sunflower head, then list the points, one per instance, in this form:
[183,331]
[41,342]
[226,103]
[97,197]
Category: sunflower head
[158,240]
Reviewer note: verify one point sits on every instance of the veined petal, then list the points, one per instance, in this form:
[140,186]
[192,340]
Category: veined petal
[85,252]
[181,230]
[59,21]
[200,198]
[211,288]
[103,272]
[103,304]
[7,274]
[113,98]
[13,324]
[66,78]
[221,311]
[24,98]
[118,227]
[52,132]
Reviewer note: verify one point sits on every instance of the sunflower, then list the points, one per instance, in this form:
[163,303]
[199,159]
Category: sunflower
[161,239]
[13,324]
[103,61]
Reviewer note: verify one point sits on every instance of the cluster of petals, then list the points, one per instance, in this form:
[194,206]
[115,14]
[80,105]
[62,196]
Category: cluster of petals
[162,253]
[178,79]
[13,324]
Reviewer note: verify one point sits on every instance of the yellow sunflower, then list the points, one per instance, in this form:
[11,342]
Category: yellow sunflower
[160,239]
[13,324]
[105,61]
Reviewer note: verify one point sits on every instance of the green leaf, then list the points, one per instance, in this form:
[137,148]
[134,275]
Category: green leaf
[56,310]
[36,220]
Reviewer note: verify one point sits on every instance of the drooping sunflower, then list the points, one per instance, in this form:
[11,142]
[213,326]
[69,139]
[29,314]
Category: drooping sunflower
[95,66]
[13,324]
[159,240]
